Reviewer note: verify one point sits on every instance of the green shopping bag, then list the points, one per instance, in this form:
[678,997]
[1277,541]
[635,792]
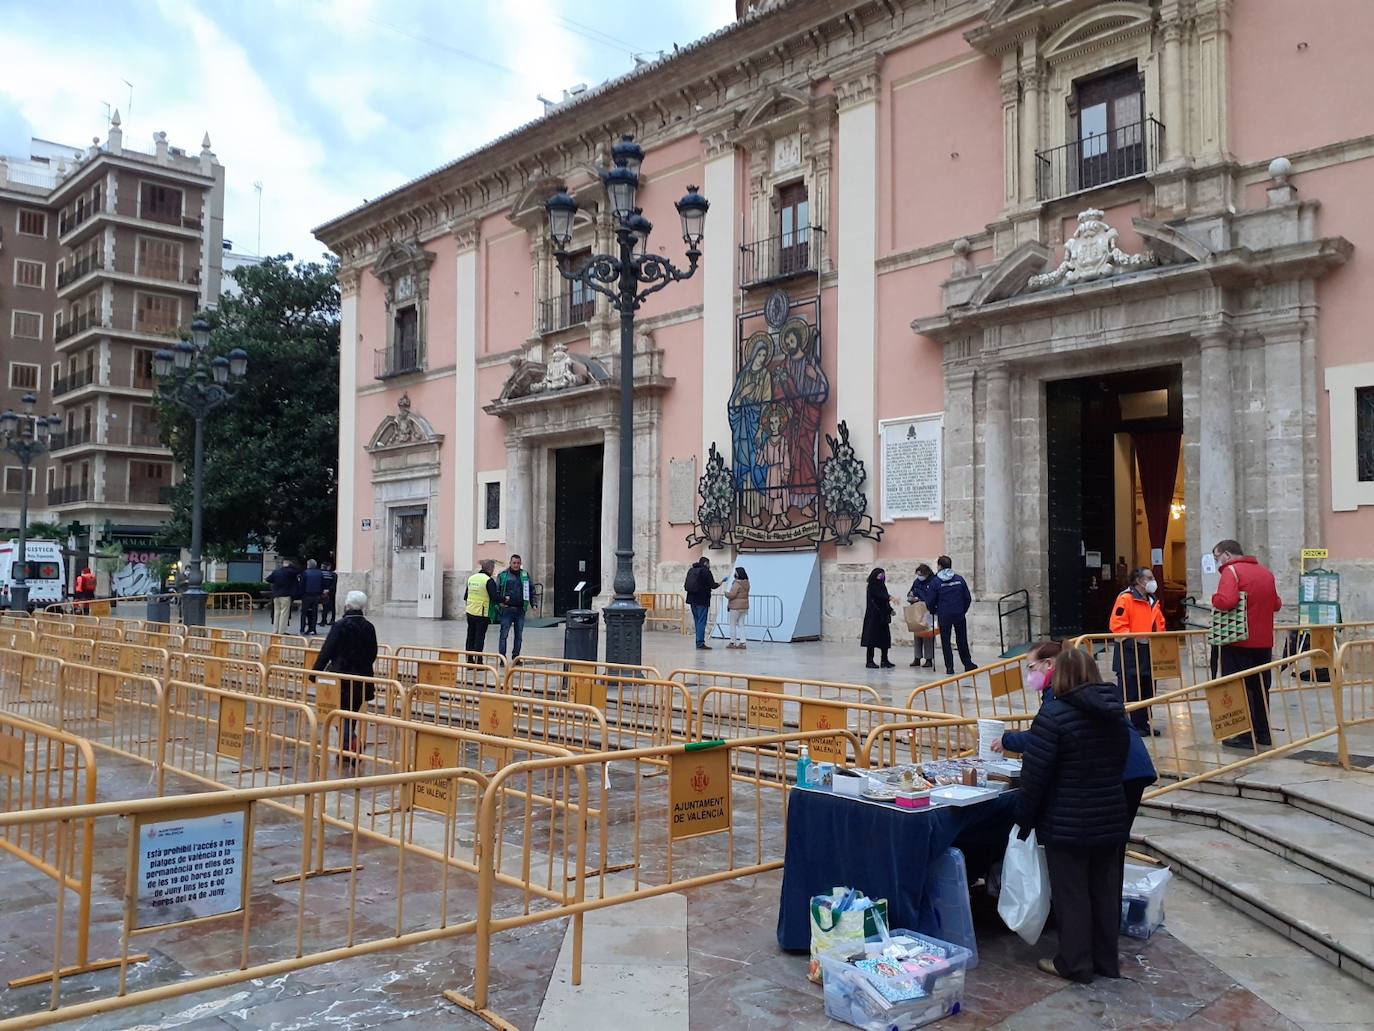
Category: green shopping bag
[833,929]
[1233,626]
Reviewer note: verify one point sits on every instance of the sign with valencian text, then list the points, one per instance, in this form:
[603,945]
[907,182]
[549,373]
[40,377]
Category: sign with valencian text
[698,792]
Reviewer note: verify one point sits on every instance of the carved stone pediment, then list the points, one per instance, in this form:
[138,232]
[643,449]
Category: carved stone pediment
[403,267]
[404,429]
[1091,253]
[563,371]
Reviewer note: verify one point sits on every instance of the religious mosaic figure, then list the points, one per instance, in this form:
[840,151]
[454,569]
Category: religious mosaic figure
[775,457]
[753,389]
[808,389]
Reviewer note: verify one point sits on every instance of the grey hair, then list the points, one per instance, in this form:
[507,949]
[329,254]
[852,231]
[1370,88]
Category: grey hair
[312,564]
[487,565]
[355,601]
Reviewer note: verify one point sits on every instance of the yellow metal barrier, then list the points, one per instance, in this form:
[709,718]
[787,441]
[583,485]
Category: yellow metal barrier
[68,649]
[578,728]
[994,691]
[698,680]
[640,712]
[583,667]
[435,672]
[31,686]
[329,691]
[415,651]
[118,712]
[230,605]
[927,740]
[16,638]
[664,609]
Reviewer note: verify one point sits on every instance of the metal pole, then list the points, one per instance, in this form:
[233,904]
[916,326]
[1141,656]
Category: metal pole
[193,600]
[624,616]
[19,593]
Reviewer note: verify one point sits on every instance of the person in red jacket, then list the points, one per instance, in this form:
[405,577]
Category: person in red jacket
[1137,611]
[1242,573]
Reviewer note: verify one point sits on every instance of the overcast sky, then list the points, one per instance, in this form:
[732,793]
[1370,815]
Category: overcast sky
[325,102]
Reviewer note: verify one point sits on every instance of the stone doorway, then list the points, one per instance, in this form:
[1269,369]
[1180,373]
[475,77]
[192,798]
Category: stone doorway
[577,527]
[408,544]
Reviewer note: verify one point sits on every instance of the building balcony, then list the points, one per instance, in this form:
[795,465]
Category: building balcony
[139,494]
[397,360]
[78,216]
[564,312]
[77,225]
[70,495]
[123,321]
[154,274]
[74,437]
[71,273]
[784,256]
[73,381]
[79,324]
[1126,152]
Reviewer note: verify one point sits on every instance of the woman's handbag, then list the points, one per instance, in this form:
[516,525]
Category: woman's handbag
[1230,627]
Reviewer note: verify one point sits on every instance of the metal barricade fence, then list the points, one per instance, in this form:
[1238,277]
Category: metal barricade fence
[15,638]
[993,691]
[68,649]
[730,713]
[279,649]
[230,605]
[131,658]
[1355,666]
[224,648]
[325,691]
[640,712]
[435,672]
[927,740]
[584,667]
[215,633]
[1145,664]
[667,610]
[253,924]
[31,685]
[765,614]
[46,769]
[242,675]
[578,728]
[431,654]
[118,712]
[698,680]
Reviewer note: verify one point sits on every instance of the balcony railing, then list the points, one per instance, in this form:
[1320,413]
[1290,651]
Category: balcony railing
[141,494]
[1099,159]
[79,323]
[69,495]
[171,218]
[782,256]
[141,436]
[73,437]
[563,312]
[72,381]
[397,360]
[75,271]
[69,220]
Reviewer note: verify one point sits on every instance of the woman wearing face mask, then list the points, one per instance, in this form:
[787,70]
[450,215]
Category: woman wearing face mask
[877,631]
[923,591]
[1138,773]
[1137,611]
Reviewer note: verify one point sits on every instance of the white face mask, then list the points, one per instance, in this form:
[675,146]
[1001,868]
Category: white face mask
[1151,586]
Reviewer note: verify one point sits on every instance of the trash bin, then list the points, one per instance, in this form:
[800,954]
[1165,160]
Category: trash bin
[579,634]
[159,609]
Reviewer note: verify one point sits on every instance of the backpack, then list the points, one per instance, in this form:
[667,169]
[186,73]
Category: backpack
[689,583]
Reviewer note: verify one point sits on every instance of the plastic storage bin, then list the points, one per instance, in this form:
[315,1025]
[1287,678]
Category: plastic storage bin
[947,890]
[1142,899]
[870,1000]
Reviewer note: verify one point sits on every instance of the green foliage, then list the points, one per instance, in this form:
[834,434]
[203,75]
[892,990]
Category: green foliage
[109,557]
[236,587]
[38,530]
[271,453]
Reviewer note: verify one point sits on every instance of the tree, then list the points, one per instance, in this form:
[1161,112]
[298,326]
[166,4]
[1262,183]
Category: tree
[271,454]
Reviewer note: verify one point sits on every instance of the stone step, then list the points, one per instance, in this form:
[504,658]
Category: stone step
[1338,851]
[1325,917]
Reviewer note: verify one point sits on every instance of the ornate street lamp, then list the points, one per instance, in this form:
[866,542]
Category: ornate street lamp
[626,279]
[197,382]
[26,436]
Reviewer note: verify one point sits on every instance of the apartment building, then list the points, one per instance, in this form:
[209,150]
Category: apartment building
[106,254]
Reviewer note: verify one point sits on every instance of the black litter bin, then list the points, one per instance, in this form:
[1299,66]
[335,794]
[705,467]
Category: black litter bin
[579,634]
[159,609]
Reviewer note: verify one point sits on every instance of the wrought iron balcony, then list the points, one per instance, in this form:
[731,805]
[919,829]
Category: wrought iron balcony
[70,494]
[782,256]
[1098,160]
[397,360]
[78,323]
[75,271]
[73,437]
[564,311]
[69,220]
[73,381]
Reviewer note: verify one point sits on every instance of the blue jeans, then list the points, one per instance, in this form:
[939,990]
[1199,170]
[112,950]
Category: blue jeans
[509,616]
[699,614]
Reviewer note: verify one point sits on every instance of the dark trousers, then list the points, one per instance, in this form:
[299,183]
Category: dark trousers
[1085,885]
[1135,677]
[511,616]
[477,635]
[310,606]
[925,649]
[327,609]
[699,617]
[958,625]
[1236,660]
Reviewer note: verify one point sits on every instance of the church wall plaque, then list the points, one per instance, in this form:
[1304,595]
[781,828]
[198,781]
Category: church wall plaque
[912,481]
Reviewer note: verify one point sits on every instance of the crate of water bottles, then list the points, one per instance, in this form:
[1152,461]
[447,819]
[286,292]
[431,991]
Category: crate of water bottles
[898,980]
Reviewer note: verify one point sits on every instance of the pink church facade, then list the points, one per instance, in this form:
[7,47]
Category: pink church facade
[1083,282]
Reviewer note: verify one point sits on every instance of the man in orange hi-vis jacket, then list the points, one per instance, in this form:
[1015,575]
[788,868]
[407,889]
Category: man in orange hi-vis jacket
[1137,611]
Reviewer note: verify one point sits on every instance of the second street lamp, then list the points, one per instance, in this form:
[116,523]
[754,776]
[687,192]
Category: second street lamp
[626,278]
[197,383]
[26,436]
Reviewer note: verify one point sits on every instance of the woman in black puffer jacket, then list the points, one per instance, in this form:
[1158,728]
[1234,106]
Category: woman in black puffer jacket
[1071,795]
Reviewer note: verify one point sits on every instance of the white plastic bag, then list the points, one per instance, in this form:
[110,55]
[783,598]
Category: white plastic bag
[1024,903]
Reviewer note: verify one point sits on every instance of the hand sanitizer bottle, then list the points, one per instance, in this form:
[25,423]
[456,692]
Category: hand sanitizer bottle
[804,768]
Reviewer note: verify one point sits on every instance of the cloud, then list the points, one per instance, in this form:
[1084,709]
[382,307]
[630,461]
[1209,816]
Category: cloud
[326,102]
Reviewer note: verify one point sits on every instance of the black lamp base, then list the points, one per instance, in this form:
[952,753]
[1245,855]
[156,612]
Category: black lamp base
[624,633]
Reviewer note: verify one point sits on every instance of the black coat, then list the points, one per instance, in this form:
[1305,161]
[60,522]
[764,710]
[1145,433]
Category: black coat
[698,585]
[1071,778]
[351,646]
[877,631]
[283,581]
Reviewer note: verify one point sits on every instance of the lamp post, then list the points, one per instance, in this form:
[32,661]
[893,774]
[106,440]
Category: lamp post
[198,383]
[626,278]
[26,436]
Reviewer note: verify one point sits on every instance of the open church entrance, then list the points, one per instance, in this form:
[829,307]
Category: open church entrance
[1116,490]
[576,525]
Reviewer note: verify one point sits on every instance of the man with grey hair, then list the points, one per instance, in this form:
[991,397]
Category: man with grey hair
[351,649]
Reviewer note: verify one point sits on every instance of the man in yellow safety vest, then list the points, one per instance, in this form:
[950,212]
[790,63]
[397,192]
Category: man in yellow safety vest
[480,604]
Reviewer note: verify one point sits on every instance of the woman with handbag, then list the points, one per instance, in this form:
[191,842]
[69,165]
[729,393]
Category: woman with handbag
[877,632]
[1072,797]
[921,596]
[351,648]
[737,605]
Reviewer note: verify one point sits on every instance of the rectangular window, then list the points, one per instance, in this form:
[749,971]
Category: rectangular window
[158,314]
[410,531]
[405,349]
[143,430]
[1110,111]
[579,298]
[26,324]
[160,203]
[24,376]
[160,259]
[490,487]
[492,515]
[143,369]
[14,479]
[794,229]
[29,273]
[1364,433]
[52,478]
[32,223]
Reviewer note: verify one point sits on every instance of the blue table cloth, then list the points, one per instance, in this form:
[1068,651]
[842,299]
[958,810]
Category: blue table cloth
[833,841]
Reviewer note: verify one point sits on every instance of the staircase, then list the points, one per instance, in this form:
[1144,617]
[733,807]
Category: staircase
[1291,845]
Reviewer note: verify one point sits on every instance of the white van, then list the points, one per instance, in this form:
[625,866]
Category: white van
[47,578]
